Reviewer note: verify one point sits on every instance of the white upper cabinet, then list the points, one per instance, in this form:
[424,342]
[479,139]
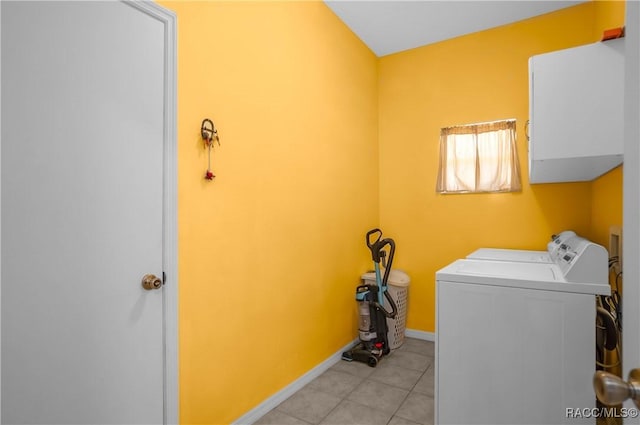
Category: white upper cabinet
[576,115]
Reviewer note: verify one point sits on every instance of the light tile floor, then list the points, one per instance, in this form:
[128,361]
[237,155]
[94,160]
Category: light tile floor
[399,391]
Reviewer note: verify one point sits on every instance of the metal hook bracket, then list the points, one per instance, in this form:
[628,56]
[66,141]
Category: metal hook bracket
[209,132]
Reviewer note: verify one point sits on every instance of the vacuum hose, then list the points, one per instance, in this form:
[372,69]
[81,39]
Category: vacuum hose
[376,252]
[394,308]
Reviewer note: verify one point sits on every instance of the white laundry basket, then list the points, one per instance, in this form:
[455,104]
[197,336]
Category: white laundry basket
[398,287]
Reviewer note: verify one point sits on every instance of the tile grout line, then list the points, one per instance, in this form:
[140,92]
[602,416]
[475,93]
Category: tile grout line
[402,402]
[412,388]
[407,396]
[343,398]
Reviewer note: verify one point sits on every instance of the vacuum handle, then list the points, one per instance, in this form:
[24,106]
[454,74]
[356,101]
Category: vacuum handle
[392,252]
[368,238]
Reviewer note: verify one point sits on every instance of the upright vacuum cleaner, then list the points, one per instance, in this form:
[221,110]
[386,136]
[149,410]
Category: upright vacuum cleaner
[373,329]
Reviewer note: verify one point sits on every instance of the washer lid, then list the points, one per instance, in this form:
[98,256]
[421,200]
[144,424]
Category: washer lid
[540,276]
[499,254]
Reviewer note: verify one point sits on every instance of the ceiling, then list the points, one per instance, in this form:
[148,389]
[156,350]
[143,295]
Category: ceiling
[391,26]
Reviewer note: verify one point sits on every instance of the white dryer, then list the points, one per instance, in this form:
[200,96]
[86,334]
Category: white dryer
[515,340]
[557,243]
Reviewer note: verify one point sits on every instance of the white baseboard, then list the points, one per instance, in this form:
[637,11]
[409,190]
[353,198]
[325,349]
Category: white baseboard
[427,336]
[269,404]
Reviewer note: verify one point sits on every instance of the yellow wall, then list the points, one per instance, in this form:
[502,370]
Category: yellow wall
[474,78]
[271,251]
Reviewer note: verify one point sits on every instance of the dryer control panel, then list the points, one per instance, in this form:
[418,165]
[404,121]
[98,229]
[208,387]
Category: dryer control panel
[581,260]
[558,242]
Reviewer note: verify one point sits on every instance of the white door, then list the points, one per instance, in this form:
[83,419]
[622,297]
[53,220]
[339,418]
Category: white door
[82,158]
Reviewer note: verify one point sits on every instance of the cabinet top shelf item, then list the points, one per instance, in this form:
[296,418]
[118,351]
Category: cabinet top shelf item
[576,99]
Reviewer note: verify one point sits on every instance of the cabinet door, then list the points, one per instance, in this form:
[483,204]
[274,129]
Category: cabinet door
[576,119]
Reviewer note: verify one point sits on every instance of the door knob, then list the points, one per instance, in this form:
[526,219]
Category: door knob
[611,389]
[151,281]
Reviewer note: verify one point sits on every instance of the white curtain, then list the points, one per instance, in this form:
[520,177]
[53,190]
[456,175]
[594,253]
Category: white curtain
[479,158]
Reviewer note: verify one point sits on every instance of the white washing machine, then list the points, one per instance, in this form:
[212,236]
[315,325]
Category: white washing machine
[557,243]
[515,340]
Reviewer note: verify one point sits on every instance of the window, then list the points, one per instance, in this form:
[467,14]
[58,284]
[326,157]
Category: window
[479,158]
